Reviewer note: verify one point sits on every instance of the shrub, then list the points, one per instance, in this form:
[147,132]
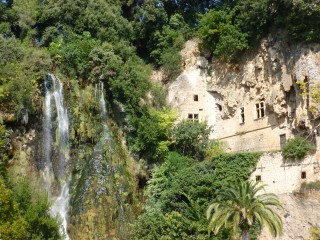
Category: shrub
[297,148]
[311,186]
[191,139]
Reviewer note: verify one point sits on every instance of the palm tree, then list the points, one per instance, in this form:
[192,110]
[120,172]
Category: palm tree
[240,206]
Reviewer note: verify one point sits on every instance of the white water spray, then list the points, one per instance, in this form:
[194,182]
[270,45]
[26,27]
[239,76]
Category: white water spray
[55,111]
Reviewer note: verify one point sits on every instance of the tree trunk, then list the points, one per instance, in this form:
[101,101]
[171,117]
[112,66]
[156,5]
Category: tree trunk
[245,235]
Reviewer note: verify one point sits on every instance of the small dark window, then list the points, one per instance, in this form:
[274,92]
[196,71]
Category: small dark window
[303,175]
[258,178]
[242,115]
[260,109]
[195,98]
[190,116]
[219,107]
[283,140]
[200,109]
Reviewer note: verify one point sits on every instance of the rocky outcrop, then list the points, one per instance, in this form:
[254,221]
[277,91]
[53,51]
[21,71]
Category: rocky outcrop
[268,73]
[298,216]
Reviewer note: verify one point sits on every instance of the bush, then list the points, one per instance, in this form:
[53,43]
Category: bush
[24,213]
[311,186]
[297,148]
[191,139]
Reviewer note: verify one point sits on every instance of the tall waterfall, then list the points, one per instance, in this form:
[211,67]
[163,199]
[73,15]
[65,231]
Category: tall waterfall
[97,156]
[56,127]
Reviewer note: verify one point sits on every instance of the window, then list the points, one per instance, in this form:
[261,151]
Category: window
[303,175]
[258,178]
[193,117]
[283,140]
[241,115]
[195,98]
[260,110]
[219,107]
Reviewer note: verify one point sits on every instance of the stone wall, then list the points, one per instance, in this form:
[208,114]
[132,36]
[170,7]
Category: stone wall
[286,176]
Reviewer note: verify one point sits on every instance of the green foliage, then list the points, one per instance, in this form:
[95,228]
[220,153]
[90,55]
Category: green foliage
[219,34]
[21,68]
[186,186]
[233,166]
[10,50]
[167,226]
[3,153]
[191,138]
[24,213]
[302,20]
[315,233]
[310,186]
[239,206]
[27,11]
[297,148]
[74,53]
[214,149]
[254,18]
[228,31]
[8,17]
[153,134]
[102,19]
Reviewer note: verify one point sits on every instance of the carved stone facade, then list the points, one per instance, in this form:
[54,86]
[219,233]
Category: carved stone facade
[254,105]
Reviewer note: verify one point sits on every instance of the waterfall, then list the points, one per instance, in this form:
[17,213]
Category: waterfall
[97,156]
[56,126]
[103,170]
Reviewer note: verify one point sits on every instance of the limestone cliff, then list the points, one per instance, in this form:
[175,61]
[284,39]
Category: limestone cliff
[267,73]
[256,105]
[243,101]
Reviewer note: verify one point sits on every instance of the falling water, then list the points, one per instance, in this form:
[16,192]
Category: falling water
[55,112]
[97,156]
[98,152]
[47,138]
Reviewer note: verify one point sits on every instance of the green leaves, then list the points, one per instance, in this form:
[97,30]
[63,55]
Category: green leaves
[297,148]
[24,214]
[219,34]
[239,206]
[185,186]
[191,139]
[153,134]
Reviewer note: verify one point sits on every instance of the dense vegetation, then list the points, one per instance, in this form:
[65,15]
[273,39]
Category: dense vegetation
[182,189]
[111,41]
[24,211]
[297,148]
[85,42]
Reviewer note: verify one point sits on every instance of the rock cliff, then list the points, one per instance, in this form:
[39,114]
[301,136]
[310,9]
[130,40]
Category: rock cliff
[270,73]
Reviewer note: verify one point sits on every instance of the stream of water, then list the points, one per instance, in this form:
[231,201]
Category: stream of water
[56,137]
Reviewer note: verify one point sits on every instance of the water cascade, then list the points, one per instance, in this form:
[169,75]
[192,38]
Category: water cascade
[56,150]
[97,156]
[100,180]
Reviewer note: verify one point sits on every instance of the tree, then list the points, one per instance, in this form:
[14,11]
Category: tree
[240,206]
[153,134]
[191,139]
[219,34]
